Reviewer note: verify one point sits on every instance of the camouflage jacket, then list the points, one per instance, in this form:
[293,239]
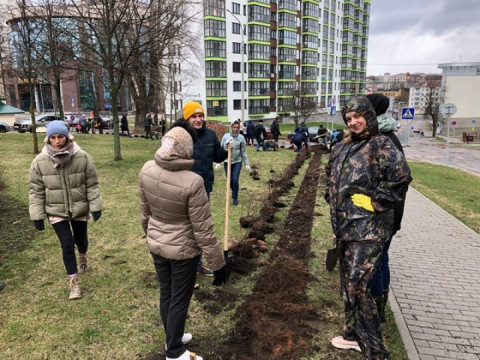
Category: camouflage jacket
[368,164]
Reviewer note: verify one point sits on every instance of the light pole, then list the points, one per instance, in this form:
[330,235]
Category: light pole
[242,66]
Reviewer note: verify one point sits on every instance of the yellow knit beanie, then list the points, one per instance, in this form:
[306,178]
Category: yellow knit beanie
[192,107]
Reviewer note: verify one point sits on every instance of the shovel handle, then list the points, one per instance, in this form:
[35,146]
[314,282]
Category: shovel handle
[227,199]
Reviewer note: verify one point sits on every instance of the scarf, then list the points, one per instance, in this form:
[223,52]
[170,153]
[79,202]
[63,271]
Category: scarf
[62,156]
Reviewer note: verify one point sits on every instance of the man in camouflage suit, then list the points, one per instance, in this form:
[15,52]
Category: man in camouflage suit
[365,175]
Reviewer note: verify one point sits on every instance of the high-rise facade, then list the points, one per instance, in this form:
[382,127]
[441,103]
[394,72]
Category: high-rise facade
[271,57]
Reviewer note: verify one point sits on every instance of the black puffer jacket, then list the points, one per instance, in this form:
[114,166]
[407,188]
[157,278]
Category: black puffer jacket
[367,164]
[206,151]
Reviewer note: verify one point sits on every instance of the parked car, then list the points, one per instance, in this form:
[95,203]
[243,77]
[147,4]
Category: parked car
[269,133]
[25,124]
[312,134]
[416,129]
[4,127]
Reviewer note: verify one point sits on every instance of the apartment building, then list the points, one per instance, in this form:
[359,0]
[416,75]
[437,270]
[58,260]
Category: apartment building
[265,58]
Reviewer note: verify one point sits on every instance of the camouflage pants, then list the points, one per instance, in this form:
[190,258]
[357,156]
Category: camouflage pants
[358,262]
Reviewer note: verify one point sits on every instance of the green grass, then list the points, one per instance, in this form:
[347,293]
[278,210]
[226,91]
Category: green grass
[455,191]
[118,316]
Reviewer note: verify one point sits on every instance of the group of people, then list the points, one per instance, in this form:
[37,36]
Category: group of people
[367,178]
[149,127]
[85,125]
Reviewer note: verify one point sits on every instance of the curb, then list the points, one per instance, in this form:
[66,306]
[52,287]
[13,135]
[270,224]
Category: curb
[407,339]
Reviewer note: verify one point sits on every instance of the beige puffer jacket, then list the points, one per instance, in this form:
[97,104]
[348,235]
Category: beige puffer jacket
[175,212]
[69,191]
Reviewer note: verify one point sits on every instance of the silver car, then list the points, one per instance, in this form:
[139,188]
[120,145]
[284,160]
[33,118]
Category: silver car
[4,127]
[25,124]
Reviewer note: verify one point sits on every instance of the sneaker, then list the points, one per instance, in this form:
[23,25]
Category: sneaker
[75,292]
[205,271]
[196,286]
[340,343]
[187,355]
[186,338]
[83,263]
[235,201]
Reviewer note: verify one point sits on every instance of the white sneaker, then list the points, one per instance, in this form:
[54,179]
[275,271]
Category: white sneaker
[186,338]
[340,343]
[187,355]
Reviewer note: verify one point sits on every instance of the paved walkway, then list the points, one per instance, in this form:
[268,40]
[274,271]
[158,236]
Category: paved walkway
[435,266]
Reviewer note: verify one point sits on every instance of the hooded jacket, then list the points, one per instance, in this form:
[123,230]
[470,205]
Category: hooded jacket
[175,212]
[206,151]
[368,164]
[68,191]
[239,151]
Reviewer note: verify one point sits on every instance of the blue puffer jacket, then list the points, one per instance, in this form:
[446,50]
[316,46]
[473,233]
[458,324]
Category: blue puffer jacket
[206,151]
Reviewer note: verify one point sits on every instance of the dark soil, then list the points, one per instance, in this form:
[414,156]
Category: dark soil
[273,320]
[16,229]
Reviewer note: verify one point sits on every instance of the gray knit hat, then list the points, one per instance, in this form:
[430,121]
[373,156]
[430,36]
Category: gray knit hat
[57,127]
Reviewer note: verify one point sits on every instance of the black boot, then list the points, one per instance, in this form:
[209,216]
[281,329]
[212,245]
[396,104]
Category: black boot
[379,302]
[384,304]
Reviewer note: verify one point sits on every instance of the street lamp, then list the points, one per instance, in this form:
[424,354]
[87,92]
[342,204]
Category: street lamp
[242,66]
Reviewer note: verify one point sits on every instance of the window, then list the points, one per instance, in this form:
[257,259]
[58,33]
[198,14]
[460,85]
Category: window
[258,51]
[236,67]
[235,28]
[258,88]
[237,86]
[236,47]
[257,32]
[214,7]
[287,37]
[258,70]
[237,104]
[215,69]
[287,20]
[214,28]
[259,13]
[216,88]
[235,8]
[215,49]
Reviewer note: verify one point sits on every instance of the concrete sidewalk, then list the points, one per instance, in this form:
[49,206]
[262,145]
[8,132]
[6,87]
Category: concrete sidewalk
[435,282]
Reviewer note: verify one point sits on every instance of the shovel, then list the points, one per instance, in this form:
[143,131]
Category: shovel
[228,259]
[332,257]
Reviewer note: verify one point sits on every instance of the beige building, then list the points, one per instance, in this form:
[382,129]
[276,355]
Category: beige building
[461,87]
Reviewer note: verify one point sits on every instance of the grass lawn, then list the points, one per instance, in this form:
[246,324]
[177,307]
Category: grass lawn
[118,315]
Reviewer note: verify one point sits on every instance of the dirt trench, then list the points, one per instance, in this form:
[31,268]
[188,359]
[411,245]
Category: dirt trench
[273,320]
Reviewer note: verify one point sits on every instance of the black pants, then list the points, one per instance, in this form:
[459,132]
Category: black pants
[69,237]
[358,262]
[177,279]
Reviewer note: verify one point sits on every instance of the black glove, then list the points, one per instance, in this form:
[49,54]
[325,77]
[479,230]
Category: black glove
[219,277]
[39,225]
[96,215]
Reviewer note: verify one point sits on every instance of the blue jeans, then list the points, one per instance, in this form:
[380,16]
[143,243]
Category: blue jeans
[381,277]
[264,145]
[234,177]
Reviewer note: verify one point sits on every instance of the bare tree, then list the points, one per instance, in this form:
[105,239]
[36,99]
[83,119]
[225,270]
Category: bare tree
[431,100]
[112,35]
[153,74]
[26,53]
[303,106]
[56,45]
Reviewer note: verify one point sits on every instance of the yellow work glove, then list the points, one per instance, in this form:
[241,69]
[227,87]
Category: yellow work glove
[362,201]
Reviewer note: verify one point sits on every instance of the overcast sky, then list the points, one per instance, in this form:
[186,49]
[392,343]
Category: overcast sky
[417,35]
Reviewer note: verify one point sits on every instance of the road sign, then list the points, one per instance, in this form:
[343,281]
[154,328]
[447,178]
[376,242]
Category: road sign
[449,109]
[474,122]
[408,113]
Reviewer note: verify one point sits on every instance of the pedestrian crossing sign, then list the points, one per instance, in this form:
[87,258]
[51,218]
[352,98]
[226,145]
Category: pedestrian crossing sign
[408,113]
